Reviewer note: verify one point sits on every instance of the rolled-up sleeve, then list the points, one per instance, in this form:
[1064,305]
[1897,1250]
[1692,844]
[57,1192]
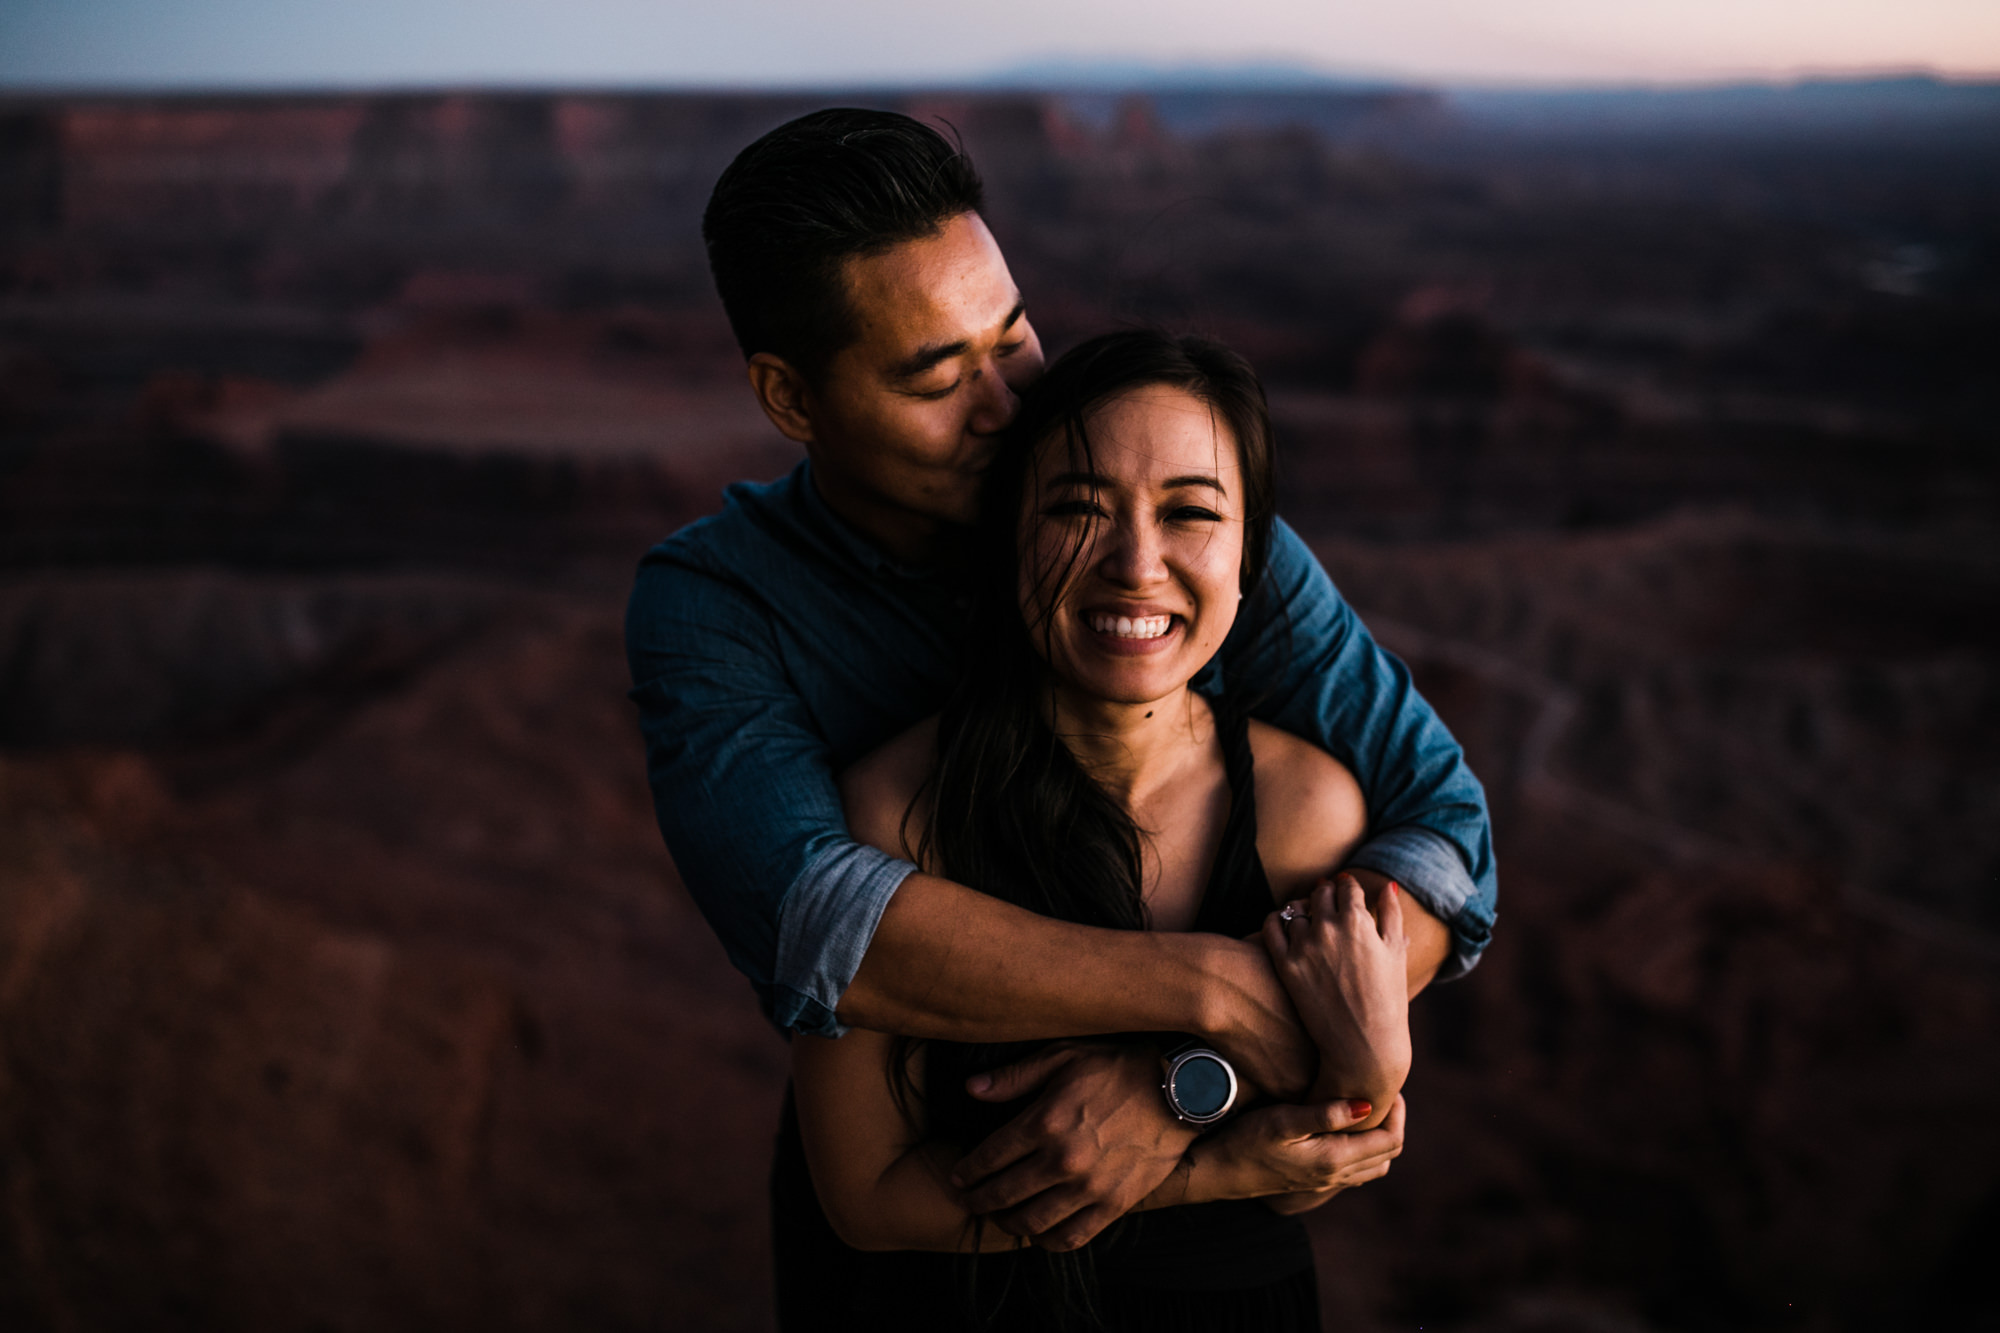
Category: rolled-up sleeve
[744,790]
[825,925]
[1310,666]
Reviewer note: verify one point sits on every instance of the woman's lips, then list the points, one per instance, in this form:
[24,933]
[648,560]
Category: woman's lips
[1130,627]
[1132,635]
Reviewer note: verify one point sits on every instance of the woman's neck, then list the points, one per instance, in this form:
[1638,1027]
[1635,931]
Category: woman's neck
[1134,749]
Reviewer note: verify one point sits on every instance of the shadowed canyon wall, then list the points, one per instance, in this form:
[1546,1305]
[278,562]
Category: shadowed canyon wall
[344,982]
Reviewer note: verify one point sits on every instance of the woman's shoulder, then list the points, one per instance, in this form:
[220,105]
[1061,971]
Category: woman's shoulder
[878,790]
[1310,811]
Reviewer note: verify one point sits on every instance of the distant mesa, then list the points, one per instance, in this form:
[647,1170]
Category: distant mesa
[1067,72]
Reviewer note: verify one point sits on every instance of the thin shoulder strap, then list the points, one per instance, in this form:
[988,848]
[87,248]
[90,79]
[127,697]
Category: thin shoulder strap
[1238,896]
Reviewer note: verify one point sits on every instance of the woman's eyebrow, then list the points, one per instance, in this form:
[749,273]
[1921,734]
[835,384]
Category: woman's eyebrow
[1090,479]
[1096,481]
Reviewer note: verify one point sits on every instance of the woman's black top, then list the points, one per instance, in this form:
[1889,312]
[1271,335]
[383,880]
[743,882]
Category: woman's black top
[1209,1266]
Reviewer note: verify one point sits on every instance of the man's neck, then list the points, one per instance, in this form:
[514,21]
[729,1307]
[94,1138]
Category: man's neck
[910,538]
[1134,750]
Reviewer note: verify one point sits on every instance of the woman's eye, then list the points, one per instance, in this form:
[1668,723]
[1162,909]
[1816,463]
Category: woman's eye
[1194,514]
[1074,509]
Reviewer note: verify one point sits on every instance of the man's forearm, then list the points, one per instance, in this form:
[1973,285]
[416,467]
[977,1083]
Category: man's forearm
[949,963]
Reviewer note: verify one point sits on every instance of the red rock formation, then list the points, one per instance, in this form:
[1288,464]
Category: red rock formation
[343,982]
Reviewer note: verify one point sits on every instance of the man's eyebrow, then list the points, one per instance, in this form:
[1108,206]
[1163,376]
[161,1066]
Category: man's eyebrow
[926,357]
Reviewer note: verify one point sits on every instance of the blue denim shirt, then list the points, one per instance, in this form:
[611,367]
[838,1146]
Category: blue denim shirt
[771,645]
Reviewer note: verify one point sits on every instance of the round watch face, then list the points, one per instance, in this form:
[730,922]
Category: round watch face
[1203,1086]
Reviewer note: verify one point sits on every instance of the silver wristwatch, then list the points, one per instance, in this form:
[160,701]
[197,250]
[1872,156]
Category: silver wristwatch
[1200,1085]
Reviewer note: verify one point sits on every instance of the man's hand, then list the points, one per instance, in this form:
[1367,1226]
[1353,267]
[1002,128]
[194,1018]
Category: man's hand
[1098,1140]
[1298,1157]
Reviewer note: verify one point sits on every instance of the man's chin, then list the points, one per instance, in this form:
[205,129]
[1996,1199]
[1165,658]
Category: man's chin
[958,510]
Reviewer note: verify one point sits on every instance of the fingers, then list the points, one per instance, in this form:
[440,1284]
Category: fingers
[1392,915]
[1363,1176]
[1058,1219]
[1338,905]
[1345,1161]
[1020,1078]
[1005,1146]
[1384,1142]
[1007,1190]
[1285,1122]
[1304,1200]
[1348,1153]
[1353,900]
[1300,1201]
[1044,1213]
[1078,1229]
[1276,943]
[1330,1117]
[1338,1116]
[1326,900]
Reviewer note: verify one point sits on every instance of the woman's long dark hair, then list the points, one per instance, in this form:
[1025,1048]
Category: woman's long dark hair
[1013,812]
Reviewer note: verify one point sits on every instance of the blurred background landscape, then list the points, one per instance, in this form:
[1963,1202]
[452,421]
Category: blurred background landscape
[344,982]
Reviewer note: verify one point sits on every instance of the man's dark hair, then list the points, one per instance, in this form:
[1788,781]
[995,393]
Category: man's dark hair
[816,191]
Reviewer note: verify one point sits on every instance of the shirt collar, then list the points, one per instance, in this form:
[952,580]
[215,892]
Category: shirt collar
[849,539]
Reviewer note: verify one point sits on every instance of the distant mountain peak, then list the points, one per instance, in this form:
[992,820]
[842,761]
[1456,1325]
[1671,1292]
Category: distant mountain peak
[1113,74]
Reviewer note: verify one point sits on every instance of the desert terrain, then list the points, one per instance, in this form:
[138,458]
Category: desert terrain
[344,980]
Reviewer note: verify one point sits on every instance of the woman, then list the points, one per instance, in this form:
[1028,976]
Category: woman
[1077,773]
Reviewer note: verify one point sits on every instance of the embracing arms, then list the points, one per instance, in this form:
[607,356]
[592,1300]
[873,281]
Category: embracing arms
[948,962]
[752,692]
[883,1188]
[832,931]
[749,703]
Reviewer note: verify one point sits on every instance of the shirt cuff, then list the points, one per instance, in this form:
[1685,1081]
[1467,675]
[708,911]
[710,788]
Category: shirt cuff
[1429,869]
[824,928]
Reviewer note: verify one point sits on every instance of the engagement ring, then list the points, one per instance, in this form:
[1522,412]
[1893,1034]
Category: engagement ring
[1293,912]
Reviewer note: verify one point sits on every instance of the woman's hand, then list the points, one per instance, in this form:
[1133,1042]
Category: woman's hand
[1297,1157]
[1347,975]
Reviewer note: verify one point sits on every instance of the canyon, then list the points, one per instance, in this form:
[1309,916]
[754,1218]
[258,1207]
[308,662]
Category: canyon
[345,982]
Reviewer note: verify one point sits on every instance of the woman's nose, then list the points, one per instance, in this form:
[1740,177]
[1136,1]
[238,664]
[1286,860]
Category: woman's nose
[1132,556]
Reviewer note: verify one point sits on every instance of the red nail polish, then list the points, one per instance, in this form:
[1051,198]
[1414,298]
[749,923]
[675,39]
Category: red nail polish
[1359,1109]
[1394,887]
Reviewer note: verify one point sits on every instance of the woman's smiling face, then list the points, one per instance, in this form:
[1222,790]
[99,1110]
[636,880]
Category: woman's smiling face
[1132,557]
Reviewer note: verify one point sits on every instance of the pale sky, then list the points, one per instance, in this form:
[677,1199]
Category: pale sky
[375,43]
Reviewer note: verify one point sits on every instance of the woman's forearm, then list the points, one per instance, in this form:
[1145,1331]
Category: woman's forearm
[880,1184]
[1202,1177]
[911,1207]
[1285,1153]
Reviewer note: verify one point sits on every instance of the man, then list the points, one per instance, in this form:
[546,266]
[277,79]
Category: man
[815,617]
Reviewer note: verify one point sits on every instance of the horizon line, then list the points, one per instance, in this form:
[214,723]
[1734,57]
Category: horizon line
[1172,79]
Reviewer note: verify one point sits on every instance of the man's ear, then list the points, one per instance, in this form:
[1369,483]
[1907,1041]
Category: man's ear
[782,393]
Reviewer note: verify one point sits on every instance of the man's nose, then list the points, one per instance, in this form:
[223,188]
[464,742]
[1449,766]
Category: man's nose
[995,402]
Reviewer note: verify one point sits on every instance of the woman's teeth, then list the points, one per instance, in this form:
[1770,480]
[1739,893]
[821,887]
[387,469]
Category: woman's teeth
[1128,627]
